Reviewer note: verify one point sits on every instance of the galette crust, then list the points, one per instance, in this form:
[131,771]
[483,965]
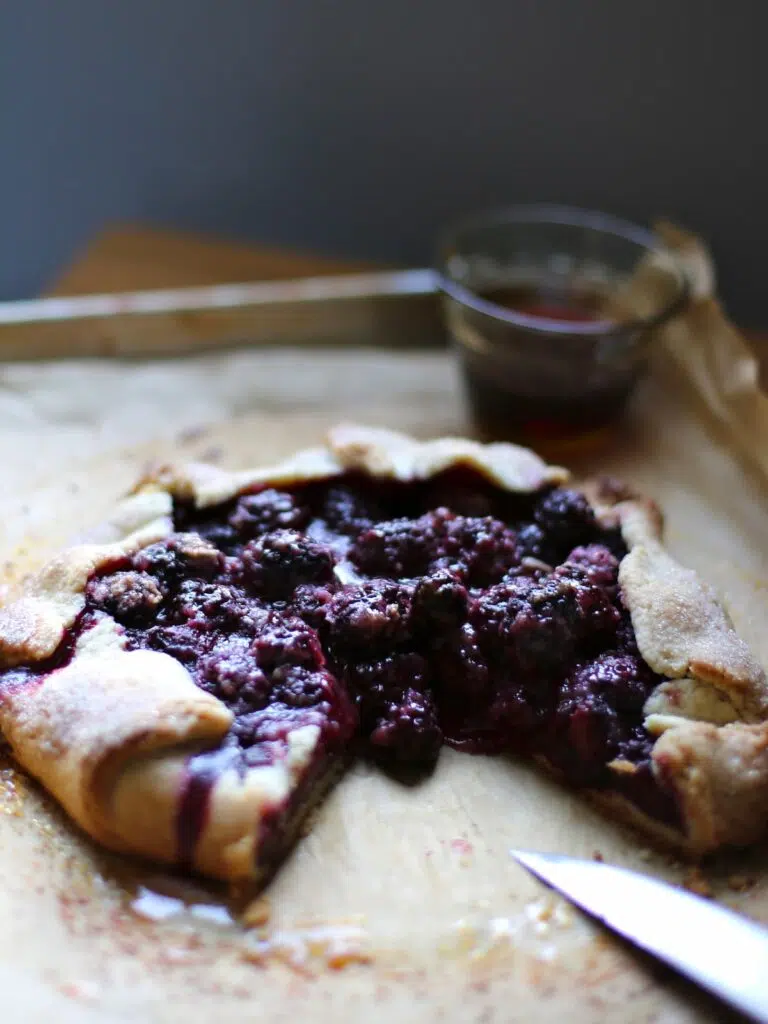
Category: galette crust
[110,733]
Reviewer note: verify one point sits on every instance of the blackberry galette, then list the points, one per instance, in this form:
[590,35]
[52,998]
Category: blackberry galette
[189,687]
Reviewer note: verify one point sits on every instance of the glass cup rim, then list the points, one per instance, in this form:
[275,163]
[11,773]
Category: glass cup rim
[571,216]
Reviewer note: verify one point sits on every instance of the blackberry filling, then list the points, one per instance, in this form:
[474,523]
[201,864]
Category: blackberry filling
[405,615]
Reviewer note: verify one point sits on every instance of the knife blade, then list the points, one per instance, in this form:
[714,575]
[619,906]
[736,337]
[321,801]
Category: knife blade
[392,308]
[716,948]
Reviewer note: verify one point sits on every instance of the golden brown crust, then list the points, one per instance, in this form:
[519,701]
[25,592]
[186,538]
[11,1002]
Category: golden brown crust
[146,803]
[32,626]
[681,628]
[711,750]
[110,733]
[88,725]
[720,777]
[386,453]
[370,450]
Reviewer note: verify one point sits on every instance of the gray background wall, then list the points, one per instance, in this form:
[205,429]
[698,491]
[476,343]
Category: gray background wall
[359,126]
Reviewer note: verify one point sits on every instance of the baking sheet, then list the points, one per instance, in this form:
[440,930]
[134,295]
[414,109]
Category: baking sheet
[402,903]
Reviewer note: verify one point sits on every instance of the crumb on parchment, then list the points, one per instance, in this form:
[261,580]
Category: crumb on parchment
[257,913]
[696,882]
[331,946]
[741,883]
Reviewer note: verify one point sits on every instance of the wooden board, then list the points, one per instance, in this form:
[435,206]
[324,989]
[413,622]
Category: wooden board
[131,257]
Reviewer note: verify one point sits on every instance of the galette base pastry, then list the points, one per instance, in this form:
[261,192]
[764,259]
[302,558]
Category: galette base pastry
[190,685]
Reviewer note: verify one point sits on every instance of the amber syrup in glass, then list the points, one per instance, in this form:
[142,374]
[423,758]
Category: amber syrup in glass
[502,411]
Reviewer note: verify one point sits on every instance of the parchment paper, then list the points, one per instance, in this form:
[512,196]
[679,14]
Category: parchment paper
[410,890]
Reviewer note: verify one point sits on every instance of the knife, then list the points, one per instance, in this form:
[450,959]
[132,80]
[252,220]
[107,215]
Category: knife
[718,949]
[392,308]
